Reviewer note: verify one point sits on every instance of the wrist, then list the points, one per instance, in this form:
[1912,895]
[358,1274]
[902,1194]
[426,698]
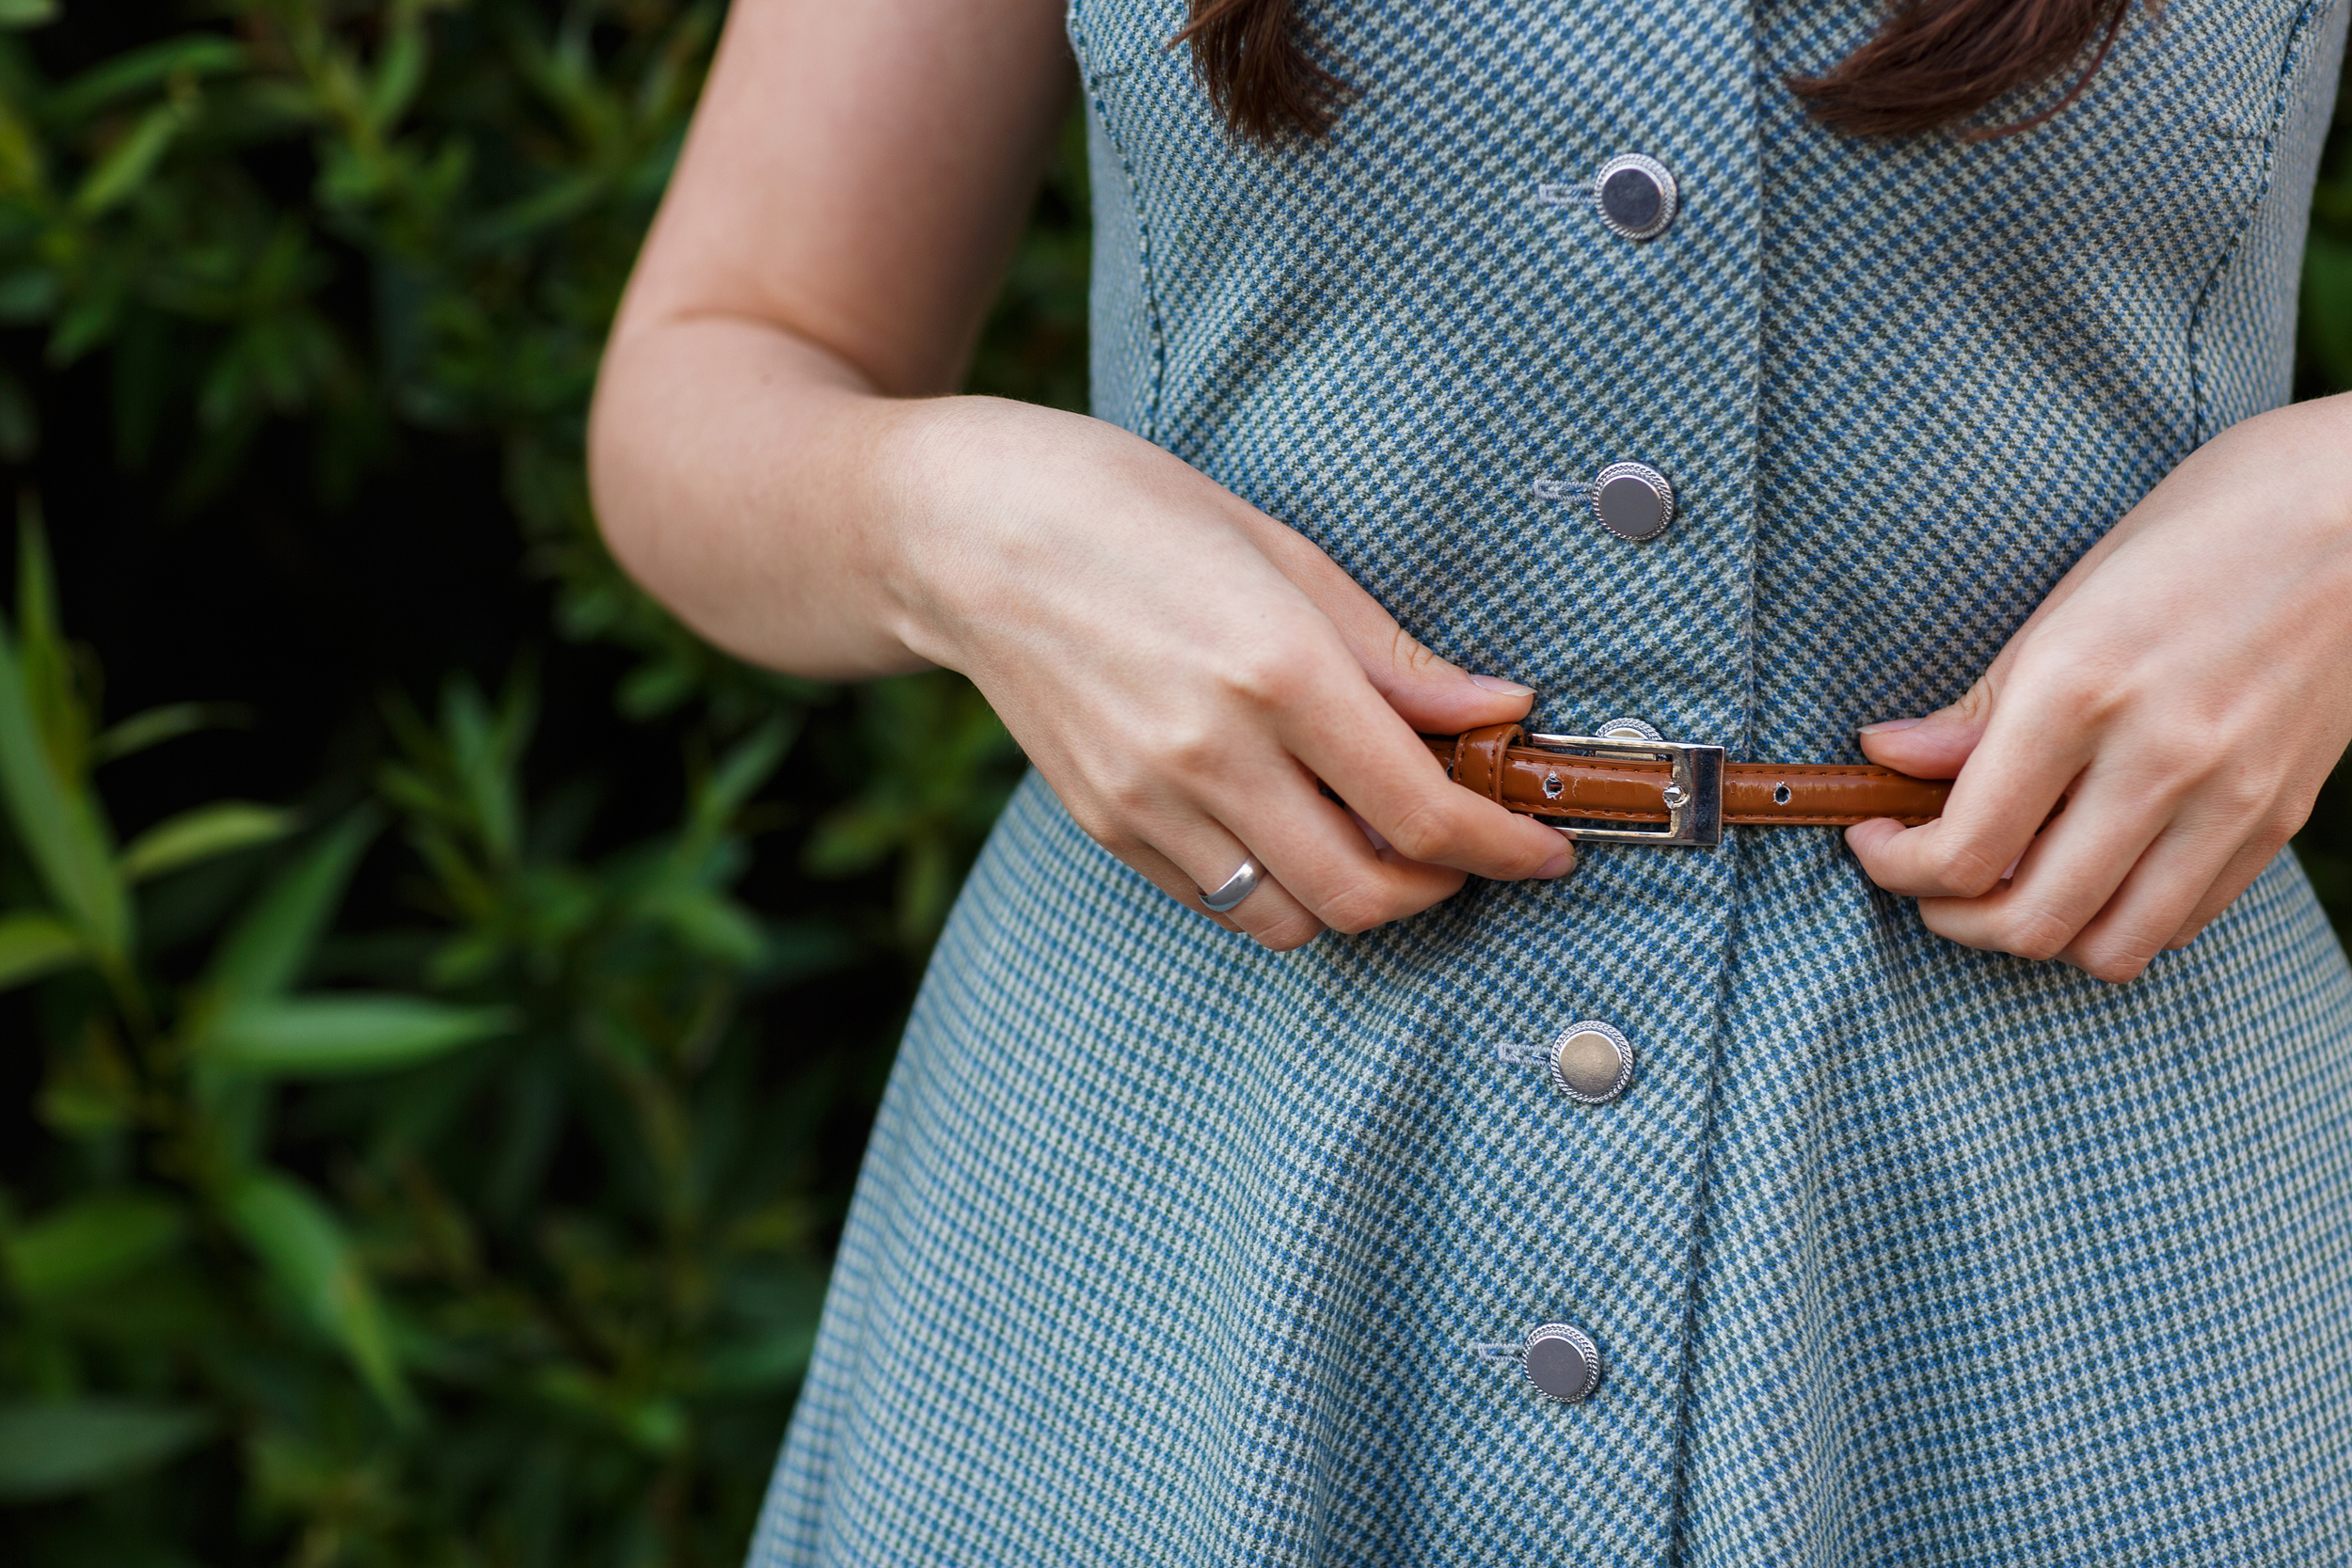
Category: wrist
[2302,453]
[985,501]
[927,558]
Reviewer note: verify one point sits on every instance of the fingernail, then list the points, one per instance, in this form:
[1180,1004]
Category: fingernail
[1496,684]
[2014,865]
[1559,866]
[1886,726]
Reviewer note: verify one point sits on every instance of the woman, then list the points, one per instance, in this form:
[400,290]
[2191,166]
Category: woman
[1973,1191]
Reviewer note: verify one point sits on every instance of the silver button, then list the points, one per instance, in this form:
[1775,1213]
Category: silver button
[1635,197]
[1632,500]
[1562,1362]
[1591,1062]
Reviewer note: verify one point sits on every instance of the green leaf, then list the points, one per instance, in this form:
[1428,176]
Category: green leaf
[47,1451]
[855,838]
[655,687]
[657,1424]
[32,946]
[298,1240]
[485,753]
[91,1243]
[49,666]
[57,823]
[125,168]
[159,724]
[715,926]
[27,293]
[201,835]
[333,1036]
[776,1361]
[556,202]
[27,13]
[88,320]
[264,954]
[399,72]
[801,949]
[743,770]
[192,54]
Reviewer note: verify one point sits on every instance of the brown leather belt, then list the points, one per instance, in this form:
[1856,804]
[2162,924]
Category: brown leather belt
[1623,777]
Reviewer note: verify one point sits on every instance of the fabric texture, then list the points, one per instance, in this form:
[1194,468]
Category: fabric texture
[1171,1250]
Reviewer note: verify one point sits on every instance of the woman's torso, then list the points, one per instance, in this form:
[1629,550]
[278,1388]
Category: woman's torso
[1173,1250]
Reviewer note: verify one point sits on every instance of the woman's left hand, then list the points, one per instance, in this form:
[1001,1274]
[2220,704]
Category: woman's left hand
[2185,690]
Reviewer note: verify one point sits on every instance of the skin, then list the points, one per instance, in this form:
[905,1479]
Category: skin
[775,455]
[2187,688]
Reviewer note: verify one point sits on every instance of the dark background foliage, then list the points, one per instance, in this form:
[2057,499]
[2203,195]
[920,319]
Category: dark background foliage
[441,1002]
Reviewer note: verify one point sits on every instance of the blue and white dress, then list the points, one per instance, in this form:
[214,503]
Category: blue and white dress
[1169,1250]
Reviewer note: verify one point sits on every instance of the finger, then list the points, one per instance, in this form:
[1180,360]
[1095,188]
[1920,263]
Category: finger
[2016,774]
[2152,904]
[2065,877]
[1270,915]
[1934,747]
[1170,878]
[2252,859]
[1314,847]
[1431,694]
[1403,795]
[1383,771]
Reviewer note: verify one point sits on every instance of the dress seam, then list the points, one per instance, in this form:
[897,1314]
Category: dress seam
[1094,79]
[2200,313]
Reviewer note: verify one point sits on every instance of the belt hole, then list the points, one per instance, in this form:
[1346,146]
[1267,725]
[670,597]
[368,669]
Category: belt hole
[1780,795]
[1552,786]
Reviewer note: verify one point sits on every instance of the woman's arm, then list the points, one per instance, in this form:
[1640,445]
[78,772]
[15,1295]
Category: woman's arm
[2185,688]
[773,457]
[854,179]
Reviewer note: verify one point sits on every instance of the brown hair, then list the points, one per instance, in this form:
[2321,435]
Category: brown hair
[1932,62]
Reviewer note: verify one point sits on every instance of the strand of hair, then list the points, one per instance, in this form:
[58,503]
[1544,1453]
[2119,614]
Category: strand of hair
[1932,64]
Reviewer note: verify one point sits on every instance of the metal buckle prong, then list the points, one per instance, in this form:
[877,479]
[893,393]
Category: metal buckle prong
[1693,794]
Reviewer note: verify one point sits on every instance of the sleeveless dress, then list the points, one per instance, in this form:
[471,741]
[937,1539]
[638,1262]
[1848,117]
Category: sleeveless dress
[1169,1250]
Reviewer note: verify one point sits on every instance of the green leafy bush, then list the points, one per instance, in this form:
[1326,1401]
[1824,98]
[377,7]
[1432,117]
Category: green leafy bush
[430,1169]
[428,1152]
[418,1351]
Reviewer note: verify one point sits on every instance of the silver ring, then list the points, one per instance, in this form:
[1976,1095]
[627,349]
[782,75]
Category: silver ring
[1234,889]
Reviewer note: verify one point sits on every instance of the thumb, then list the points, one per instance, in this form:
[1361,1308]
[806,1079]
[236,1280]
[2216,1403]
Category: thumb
[1432,694]
[1932,747]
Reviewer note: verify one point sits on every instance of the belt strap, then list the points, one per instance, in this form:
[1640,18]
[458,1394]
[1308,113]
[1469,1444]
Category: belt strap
[1545,783]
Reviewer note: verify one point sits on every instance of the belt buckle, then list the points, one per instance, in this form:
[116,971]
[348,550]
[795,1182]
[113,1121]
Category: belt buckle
[1693,794]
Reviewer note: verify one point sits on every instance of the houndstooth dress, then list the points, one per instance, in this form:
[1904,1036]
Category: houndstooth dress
[1171,1250]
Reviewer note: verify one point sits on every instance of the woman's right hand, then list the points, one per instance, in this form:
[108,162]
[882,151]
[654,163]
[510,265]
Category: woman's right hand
[1183,670]
[770,456]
